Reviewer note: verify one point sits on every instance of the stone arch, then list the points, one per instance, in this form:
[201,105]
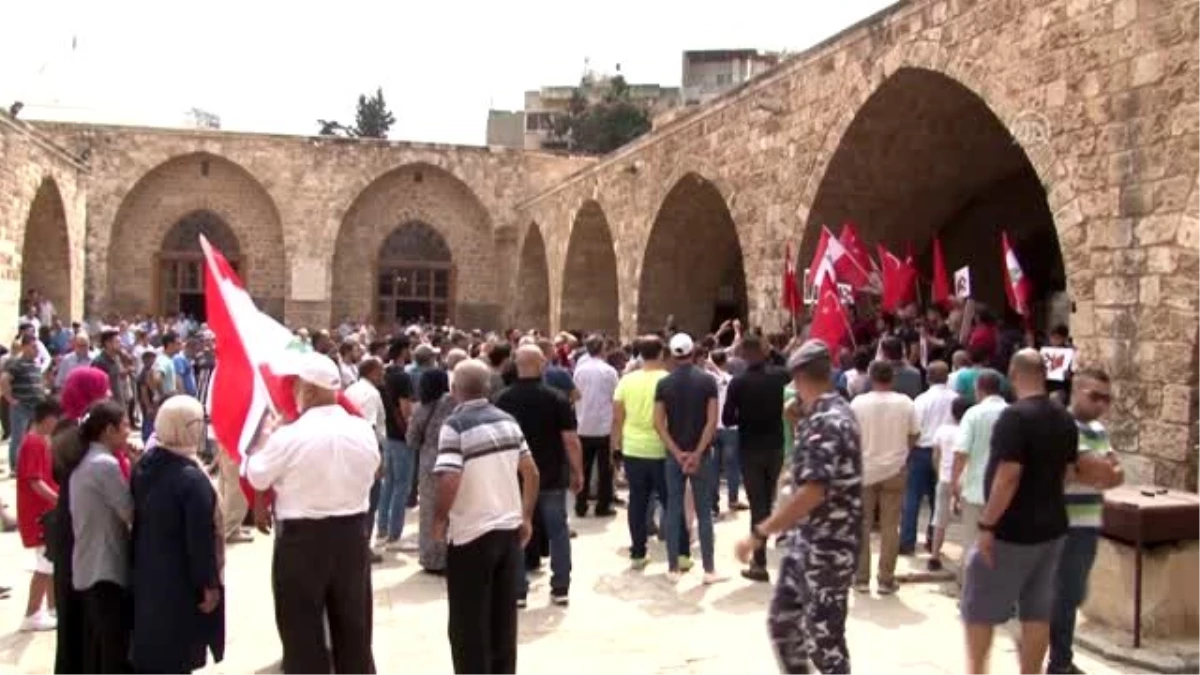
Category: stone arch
[692,268]
[948,167]
[46,251]
[424,193]
[590,296]
[195,183]
[181,265]
[533,284]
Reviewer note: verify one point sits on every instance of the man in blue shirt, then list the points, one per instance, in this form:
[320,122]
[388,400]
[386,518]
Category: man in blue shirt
[185,374]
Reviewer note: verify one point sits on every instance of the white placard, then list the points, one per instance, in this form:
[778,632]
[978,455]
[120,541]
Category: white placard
[1059,361]
[309,280]
[962,282]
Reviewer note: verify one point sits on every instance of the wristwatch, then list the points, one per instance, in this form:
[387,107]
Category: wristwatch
[984,527]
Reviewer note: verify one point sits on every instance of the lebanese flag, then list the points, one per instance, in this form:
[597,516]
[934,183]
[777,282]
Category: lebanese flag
[898,279]
[857,268]
[833,260]
[1016,284]
[244,385]
[791,292]
[829,319]
[941,281]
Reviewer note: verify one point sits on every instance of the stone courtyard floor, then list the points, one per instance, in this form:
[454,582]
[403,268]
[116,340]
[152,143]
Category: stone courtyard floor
[618,622]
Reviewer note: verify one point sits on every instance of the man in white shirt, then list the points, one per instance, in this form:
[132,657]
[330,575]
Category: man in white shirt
[933,410]
[365,396]
[596,381]
[321,467]
[81,355]
[887,421]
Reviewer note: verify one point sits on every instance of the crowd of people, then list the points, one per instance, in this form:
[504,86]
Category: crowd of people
[494,436]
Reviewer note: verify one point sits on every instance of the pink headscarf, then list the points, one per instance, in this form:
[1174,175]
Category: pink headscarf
[84,386]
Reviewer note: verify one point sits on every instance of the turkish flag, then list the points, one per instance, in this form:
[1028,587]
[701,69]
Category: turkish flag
[941,280]
[898,279]
[829,319]
[791,291]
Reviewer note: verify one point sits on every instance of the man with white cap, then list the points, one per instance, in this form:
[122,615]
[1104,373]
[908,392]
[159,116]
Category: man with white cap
[685,416]
[321,467]
[807,616]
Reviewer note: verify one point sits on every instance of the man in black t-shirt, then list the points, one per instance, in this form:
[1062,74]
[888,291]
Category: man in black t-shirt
[548,424]
[685,416]
[398,458]
[1034,449]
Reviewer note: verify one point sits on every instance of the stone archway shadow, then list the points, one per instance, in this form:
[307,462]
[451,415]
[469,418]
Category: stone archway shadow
[590,292]
[46,250]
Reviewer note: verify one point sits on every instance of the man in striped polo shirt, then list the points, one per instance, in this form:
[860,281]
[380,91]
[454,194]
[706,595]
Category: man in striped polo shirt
[1090,400]
[486,518]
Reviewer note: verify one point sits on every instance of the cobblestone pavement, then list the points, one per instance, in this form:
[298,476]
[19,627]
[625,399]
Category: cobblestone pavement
[619,621]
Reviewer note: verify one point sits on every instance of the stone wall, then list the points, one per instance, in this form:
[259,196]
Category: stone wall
[42,219]
[288,198]
[1100,99]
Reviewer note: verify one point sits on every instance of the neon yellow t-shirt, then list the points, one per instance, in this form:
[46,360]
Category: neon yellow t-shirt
[636,391]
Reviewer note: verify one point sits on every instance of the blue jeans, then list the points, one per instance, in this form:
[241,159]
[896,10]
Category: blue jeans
[725,455]
[921,483]
[397,481]
[552,507]
[20,416]
[645,477]
[1074,566]
[676,483]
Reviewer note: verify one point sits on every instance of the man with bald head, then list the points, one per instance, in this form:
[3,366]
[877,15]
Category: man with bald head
[1034,450]
[485,517]
[548,423]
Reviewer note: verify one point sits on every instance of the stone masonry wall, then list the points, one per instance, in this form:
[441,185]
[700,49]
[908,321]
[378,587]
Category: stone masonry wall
[35,170]
[1109,89]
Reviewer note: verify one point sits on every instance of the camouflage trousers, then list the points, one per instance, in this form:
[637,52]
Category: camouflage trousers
[807,617]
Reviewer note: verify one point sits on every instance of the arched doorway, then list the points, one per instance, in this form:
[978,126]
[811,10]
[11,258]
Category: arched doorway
[46,254]
[181,269]
[926,157]
[165,196]
[451,215]
[533,284]
[414,277]
[589,285]
[692,270]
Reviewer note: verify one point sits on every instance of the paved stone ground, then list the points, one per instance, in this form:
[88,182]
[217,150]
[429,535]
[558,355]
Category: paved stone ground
[618,622]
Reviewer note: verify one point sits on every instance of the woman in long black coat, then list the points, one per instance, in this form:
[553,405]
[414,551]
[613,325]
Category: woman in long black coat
[178,603]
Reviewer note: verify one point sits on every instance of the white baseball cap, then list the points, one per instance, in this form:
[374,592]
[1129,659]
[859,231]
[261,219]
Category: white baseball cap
[314,368]
[682,345]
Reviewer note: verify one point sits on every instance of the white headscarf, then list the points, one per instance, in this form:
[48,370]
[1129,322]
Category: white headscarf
[179,426]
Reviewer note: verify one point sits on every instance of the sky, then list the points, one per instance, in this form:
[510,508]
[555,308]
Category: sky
[276,67]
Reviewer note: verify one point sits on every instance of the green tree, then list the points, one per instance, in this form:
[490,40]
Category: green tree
[597,128]
[372,119]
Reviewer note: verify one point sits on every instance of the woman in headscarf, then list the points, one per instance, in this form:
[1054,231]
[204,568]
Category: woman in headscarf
[83,387]
[178,548]
[432,409]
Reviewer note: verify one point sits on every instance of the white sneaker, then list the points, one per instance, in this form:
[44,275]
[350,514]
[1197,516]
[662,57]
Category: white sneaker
[711,578]
[674,576]
[38,622]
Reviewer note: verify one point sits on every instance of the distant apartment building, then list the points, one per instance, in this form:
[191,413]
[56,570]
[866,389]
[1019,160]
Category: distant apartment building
[710,73]
[544,106]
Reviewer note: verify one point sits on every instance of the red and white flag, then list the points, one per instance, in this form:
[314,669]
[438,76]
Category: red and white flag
[828,260]
[857,266]
[251,347]
[791,291]
[1016,284]
[829,322]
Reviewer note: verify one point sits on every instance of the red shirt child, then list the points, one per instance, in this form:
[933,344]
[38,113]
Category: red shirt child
[34,464]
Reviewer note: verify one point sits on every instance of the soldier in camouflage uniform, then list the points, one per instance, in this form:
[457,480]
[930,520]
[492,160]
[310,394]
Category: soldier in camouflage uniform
[823,519]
